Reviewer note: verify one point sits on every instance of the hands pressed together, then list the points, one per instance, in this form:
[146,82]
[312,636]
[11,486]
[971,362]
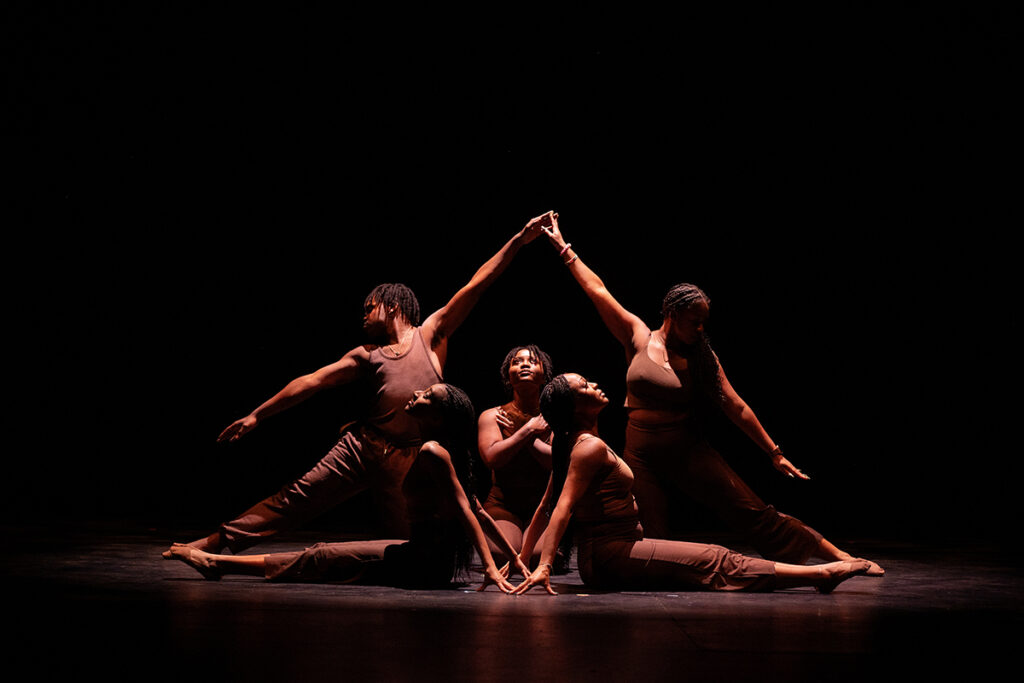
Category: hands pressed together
[499,578]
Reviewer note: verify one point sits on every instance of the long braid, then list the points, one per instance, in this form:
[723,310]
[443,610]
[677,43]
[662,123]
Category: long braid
[557,405]
[460,431]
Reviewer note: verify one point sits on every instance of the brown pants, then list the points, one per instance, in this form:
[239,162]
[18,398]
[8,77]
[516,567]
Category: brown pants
[406,564]
[670,458]
[616,556]
[360,460]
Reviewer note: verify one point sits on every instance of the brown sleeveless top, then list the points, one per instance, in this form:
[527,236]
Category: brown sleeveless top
[519,485]
[393,381]
[652,386]
[609,498]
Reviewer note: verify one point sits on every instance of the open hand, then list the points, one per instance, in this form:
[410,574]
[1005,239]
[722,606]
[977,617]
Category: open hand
[237,429]
[782,464]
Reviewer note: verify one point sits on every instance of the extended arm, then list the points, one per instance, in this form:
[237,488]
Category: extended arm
[538,524]
[440,324]
[626,327]
[584,463]
[344,370]
[742,415]
[493,531]
[448,480]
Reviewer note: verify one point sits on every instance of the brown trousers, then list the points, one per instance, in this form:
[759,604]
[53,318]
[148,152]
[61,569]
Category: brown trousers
[616,556]
[360,460]
[670,458]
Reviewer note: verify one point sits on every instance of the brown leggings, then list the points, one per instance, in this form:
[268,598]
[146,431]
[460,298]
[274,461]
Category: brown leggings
[668,458]
[616,556]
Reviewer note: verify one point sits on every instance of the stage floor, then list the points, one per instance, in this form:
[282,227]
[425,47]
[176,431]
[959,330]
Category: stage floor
[104,602]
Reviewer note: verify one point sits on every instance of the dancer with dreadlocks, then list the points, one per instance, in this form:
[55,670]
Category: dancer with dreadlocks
[438,489]
[376,452]
[514,442]
[674,379]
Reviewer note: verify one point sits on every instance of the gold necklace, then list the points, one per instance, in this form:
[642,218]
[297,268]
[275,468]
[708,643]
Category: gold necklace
[390,347]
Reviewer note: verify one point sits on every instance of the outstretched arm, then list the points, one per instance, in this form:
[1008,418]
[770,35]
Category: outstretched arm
[444,473]
[743,417]
[440,324]
[493,531]
[626,327]
[342,371]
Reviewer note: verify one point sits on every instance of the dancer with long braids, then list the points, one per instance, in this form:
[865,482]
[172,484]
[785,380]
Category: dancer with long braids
[593,485]
[441,506]
[375,453]
[674,379]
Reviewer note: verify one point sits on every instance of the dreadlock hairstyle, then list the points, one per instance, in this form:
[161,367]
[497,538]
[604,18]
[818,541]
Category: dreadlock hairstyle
[395,295]
[543,358]
[705,371]
[558,406]
[459,418]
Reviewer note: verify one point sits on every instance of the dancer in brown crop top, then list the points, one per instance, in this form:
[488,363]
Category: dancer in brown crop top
[674,378]
[592,484]
[441,508]
[402,355]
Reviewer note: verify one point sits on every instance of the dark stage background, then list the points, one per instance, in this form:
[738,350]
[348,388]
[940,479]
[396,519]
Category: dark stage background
[215,191]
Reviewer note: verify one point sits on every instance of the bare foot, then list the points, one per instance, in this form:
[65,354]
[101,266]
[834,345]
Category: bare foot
[201,561]
[834,573]
[214,543]
[874,570]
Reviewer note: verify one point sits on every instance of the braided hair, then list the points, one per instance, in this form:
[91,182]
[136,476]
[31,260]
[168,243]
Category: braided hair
[705,370]
[398,296]
[543,358]
[459,418]
[558,406]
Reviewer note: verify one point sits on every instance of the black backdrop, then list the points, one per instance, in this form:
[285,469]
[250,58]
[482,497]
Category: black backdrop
[216,190]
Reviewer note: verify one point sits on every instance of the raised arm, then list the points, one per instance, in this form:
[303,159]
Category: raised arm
[440,324]
[342,371]
[742,415]
[626,327]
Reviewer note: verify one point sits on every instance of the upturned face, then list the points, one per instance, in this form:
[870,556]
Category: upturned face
[589,397]
[525,367]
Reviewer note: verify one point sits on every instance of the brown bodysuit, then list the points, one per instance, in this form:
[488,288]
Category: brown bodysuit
[518,485]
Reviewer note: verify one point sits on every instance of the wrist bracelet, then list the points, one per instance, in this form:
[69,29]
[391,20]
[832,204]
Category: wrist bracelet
[546,564]
[569,262]
[565,248]
[775,451]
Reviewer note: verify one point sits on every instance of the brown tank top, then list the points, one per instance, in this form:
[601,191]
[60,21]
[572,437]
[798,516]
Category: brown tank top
[393,381]
[519,485]
[610,495]
[652,386]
